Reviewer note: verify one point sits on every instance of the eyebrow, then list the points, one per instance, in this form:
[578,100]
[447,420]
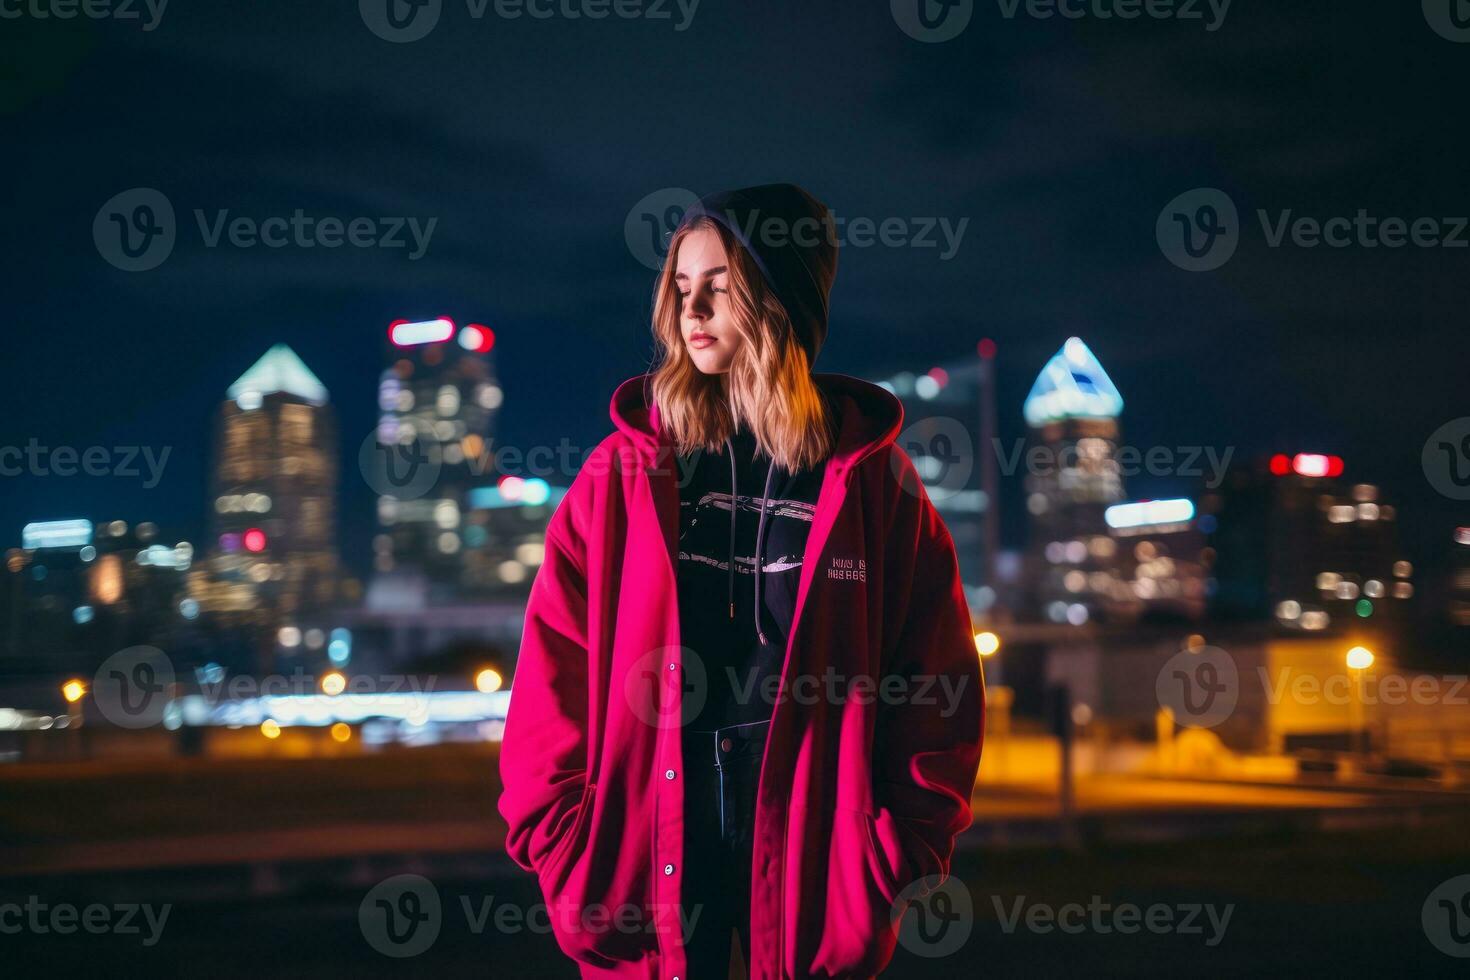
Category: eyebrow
[707,272]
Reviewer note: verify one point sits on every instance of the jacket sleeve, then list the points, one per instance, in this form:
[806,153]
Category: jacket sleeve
[927,745]
[543,755]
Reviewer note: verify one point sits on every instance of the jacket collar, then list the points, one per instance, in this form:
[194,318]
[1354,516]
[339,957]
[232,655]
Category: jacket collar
[869,417]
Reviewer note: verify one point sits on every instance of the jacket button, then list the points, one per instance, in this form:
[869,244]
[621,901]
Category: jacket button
[668,774]
[668,869]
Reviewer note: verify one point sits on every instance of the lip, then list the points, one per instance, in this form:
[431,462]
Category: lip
[699,340]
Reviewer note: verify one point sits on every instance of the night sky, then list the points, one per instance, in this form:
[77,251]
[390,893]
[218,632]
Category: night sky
[530,141]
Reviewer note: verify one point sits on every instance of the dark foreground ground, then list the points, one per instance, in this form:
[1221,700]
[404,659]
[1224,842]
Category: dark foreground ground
[1345,904]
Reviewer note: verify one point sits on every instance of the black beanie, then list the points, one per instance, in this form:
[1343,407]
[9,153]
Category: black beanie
[793,239]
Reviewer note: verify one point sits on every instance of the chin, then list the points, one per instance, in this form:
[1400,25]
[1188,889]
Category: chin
[710,365]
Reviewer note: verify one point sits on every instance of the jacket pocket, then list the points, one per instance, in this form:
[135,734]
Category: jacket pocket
[551,867]
[884,872]
[854,921]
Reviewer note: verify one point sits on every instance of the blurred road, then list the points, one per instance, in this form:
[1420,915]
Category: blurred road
[264,863]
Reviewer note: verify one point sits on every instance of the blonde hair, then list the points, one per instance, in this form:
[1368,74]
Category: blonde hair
[769,386]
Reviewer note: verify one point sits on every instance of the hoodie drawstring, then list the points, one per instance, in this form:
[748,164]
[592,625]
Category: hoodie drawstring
[760,533]
[734,502]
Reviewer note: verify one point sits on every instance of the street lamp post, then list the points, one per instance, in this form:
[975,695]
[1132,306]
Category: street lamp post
[1359,659]
[73,691]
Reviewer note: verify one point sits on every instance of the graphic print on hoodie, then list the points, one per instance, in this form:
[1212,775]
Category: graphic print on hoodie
[719,578]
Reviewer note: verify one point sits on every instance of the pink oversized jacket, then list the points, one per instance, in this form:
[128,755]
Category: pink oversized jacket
[871,758]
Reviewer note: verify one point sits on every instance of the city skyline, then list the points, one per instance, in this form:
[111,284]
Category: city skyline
[1060,182]
[170,504]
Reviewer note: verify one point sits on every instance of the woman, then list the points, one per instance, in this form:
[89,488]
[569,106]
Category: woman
[748,705]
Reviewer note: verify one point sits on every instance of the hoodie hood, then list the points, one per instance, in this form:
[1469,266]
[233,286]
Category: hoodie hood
[868,417]
[793,239]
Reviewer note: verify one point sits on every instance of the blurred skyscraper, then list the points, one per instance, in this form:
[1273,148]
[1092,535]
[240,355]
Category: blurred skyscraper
[940,410]
[1072,412]
[74,593]
[274,501]
[437,403]
[1458,605]
[1298,543]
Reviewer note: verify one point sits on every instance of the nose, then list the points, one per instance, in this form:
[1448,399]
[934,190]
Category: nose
[697,306]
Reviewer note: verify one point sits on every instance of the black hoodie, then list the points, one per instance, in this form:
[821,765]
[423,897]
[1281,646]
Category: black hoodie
[743,523]
[739,572]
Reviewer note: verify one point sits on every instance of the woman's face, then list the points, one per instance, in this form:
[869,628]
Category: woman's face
[701,274]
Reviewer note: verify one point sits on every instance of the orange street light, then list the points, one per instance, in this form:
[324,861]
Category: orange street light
[1359,658]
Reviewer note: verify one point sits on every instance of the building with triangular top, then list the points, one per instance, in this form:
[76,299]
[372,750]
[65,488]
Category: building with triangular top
[1072,385]
[1072,478]
[273,501]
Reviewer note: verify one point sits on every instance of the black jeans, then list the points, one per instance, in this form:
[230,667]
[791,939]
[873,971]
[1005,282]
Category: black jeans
[723,769]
